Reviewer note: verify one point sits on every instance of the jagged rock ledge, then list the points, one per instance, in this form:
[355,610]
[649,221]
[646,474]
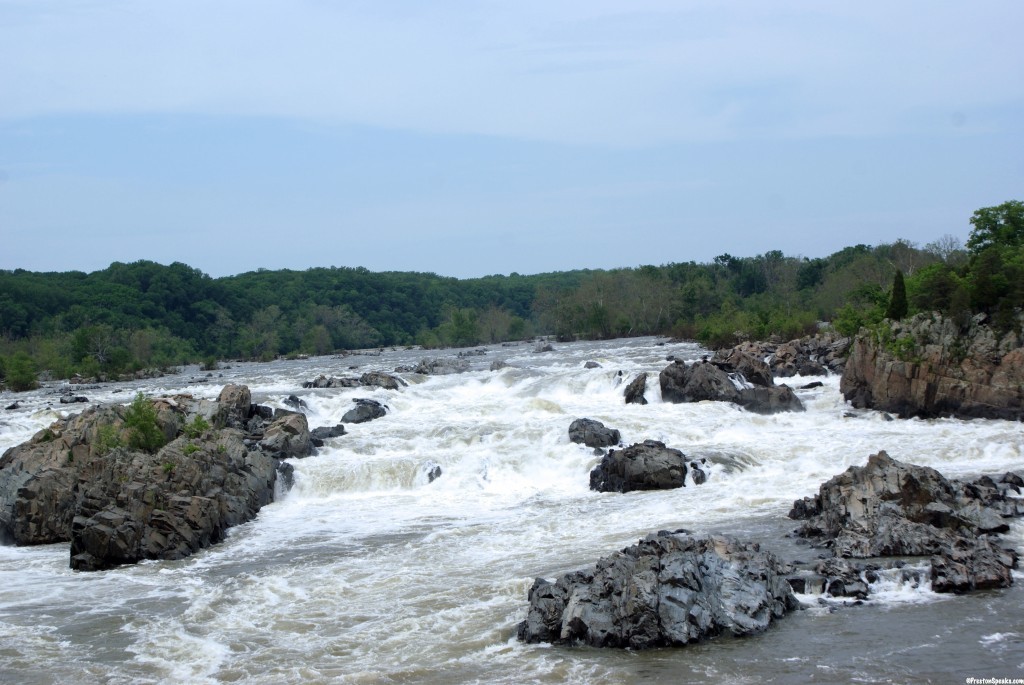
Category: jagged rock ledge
[889,509]
[77,481]
[668,589]
[931,366]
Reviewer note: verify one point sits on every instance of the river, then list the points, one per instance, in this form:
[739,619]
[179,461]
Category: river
[367,572]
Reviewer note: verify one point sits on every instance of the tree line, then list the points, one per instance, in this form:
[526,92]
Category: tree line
[141,315]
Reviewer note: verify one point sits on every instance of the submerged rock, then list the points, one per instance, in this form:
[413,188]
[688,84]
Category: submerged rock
[669,589]
[644,466]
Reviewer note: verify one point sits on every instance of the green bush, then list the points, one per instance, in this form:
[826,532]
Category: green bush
[144,432]
[196,427]
[108,438]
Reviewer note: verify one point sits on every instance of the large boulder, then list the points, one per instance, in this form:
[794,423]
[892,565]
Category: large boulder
[634,393]
[365,410]
[287,436]
[704,380]
[234,405]
[77,481]
[762,400]
[888,508]
[681,382]
[669,589]
[751,367]
[929,366]
[644,466]
[593,433]
[379,379]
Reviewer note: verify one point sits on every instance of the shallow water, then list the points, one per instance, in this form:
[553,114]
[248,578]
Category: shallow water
[366,572]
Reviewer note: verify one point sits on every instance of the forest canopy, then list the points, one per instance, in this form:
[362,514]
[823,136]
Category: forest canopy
[144,314]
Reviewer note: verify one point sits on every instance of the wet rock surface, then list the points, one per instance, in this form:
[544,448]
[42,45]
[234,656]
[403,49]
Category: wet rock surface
[721,382]
[593,433]
[669,589]
[78,480]
[649,465]
[888,508]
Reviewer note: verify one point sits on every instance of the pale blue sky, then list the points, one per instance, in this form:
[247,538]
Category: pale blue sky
[471,138]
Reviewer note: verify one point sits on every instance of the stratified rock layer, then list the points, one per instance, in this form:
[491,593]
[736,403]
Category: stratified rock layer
[930,366]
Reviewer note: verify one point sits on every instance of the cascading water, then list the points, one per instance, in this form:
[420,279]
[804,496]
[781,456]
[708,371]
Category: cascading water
[368,572]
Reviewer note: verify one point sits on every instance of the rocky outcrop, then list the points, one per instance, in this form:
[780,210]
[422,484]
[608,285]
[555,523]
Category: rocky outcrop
[634,393]
[79,481]
[439,367]
[323,381]
[753,369]
[287,436]
[365,410]
[815,355]
[379,379]
[593,433]
[132,506]
[644,466]
[374,379]
[888,508]
[669,589]
[700,381]
[928,366]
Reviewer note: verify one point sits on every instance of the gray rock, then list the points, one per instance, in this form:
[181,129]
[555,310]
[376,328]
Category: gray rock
[439,367]
[287,436]
[708,381]
[593,433]
[762,400]
[328,432]
[888,508]
[380,379]
[76,482]
[696,382]
[644,466]
[669,589]
[634,393]
[365,410]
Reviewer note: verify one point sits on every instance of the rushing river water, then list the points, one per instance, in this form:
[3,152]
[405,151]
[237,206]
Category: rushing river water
[366,572]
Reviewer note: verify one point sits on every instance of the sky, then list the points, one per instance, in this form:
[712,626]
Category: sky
[468,138]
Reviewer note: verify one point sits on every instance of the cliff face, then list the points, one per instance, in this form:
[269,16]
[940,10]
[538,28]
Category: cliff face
[928,366]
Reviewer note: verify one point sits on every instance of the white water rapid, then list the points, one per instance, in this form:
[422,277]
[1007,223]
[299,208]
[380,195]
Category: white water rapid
[366,572]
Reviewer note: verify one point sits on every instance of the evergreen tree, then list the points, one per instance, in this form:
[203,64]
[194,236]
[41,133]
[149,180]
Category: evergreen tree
[897,308]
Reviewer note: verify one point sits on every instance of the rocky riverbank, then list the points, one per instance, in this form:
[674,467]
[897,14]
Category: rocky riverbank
[931,366]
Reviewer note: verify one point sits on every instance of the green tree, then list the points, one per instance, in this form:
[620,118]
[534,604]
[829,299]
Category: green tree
[1001,226]
[144,432]
[897,308]
[21,373]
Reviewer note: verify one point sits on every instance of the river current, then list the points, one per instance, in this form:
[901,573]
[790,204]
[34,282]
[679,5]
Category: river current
[367,572]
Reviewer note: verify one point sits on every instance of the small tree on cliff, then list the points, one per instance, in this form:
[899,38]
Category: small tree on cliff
[897,308]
